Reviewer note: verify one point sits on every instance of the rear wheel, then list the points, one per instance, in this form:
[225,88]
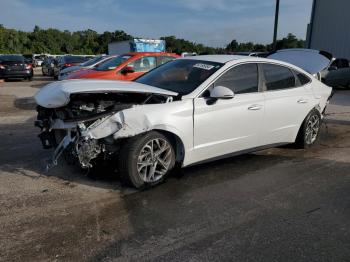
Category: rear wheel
[145,160]
[309,130]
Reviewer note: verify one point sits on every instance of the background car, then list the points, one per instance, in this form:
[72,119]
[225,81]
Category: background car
[312,61]
[126,67]
[67,61]
[47,66]
[337,74]
[38,59]
[333,72]
[93,62]
[256,54]
[15,66]
[28,58]
[188,111]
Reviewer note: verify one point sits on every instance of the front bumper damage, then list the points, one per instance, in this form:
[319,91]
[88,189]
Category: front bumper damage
[87,142]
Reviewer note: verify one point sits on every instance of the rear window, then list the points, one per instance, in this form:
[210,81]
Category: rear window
[278,77]
[165,59]
[11,58]
[75,59]
[112,63]
[303,78]
[93,61]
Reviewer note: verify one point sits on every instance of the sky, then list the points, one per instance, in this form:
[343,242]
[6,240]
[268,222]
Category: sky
[210,22]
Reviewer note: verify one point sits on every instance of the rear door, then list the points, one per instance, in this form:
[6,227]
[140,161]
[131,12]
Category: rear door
[287,102]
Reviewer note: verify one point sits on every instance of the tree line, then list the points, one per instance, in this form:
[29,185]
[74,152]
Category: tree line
[54,41]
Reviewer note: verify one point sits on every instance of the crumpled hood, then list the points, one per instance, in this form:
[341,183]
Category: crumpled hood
[57,94]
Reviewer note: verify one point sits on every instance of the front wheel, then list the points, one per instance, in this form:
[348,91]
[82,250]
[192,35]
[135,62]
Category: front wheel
[145,160]
[309,130]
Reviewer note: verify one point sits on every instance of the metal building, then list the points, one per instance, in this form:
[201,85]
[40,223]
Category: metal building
[329,28]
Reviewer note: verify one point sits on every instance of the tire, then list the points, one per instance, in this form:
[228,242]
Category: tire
[139,165]
[309,130]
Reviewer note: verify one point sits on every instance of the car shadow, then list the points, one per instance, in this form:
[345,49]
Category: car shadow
[22,154]
[15,80]
[25,103]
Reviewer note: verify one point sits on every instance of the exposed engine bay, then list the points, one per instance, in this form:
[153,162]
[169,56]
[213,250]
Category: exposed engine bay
[82,128]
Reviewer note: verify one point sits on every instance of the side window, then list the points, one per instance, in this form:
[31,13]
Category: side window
[303,78]
[164,59]
[240,79]
[144,64]
[278,77]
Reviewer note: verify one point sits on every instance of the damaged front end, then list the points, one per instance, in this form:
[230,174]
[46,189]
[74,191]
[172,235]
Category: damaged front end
[91,126]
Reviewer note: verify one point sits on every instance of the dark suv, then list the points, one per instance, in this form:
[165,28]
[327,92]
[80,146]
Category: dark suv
[15,66]
[47,66]
[67,61]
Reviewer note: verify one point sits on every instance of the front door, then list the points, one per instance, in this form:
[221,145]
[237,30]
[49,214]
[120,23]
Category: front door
[230,125]
[140,66]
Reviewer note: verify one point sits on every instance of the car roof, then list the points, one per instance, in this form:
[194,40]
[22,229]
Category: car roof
[149,53]
[235,59]
[222,58]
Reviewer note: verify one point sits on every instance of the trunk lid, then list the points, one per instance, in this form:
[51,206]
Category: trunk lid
[312,61]
[14,65]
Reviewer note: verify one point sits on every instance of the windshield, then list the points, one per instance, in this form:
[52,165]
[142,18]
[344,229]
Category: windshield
[75,59]
[182,76]
[12,58]
[112,63]
[93,61]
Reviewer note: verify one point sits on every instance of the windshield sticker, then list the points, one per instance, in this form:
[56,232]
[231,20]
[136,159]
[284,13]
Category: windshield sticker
[204,66]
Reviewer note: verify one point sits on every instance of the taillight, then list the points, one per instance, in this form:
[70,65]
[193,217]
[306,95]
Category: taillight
[29,66]
[2,67]
[67,65]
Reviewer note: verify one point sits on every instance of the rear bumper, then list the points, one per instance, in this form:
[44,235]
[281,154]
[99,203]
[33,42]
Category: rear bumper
[16,74]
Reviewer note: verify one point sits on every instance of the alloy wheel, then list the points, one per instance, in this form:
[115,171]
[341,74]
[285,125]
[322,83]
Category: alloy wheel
[154,160]
[312,128]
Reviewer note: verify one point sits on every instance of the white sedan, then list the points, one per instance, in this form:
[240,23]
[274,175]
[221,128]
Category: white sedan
[187,111]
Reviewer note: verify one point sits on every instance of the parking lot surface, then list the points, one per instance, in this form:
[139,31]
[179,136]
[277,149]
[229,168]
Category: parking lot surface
[279,204]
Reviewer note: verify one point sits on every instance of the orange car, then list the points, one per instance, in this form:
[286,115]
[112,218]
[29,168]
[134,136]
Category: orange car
[125,67]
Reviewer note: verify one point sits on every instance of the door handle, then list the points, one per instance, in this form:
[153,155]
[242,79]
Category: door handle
[302,101]
[255,107]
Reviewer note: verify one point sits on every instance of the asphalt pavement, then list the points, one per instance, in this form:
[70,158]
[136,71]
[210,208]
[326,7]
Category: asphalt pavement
[280,204]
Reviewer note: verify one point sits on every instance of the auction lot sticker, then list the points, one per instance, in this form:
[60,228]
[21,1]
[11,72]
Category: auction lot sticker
[204,66]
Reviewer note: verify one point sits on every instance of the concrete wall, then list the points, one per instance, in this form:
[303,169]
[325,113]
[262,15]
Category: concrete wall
[330,27]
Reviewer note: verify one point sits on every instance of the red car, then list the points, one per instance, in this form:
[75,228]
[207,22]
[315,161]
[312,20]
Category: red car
[125,67]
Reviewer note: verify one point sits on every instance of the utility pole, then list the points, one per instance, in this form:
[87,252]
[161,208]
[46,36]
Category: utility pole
[276,25]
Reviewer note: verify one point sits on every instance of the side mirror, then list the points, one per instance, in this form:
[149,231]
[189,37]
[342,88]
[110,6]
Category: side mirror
[221,92]
[127,70]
